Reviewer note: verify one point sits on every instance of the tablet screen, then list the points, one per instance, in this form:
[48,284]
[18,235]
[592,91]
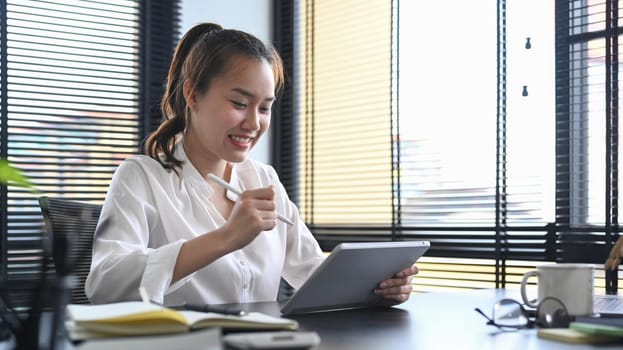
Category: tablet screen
[348,277]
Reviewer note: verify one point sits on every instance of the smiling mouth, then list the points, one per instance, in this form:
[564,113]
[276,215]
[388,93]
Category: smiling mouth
[241,139]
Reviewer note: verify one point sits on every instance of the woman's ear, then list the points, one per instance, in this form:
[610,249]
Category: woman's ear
[189,94]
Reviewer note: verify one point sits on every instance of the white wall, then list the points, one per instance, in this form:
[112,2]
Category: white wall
[252,16]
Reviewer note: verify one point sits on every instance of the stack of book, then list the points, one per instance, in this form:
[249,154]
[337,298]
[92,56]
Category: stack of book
[135,318]
[587,330]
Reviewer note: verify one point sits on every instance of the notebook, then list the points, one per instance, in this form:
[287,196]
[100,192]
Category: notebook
[608,305]
[132,318]
[609,326]
[348,277]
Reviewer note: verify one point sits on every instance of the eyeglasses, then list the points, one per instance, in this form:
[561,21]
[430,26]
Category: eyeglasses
[510,314]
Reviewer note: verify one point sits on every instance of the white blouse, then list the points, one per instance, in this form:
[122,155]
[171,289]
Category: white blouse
[149,212]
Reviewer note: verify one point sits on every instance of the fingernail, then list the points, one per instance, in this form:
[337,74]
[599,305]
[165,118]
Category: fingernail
[383,284]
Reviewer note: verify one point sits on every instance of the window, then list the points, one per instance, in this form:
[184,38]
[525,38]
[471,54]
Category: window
[476,125]
[78,80]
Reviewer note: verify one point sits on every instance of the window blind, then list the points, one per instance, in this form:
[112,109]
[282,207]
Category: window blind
[73,75]
[587,126]
[352,158]
[480,138]
[283,125]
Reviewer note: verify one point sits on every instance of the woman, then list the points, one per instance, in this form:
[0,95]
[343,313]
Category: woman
[180,237]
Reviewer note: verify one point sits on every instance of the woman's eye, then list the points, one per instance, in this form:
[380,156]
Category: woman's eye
[265,109]
[239,104]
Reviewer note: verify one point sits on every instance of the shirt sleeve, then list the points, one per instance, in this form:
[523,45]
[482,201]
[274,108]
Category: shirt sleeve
[122,259]
[303,253]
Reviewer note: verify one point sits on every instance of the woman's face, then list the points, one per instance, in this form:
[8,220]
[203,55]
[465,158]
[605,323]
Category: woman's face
[228,119]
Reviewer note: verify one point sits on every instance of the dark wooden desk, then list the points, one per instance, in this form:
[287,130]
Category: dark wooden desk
[440,320]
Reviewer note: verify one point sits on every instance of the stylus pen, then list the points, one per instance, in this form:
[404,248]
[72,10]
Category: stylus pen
[215,309]
[221,182]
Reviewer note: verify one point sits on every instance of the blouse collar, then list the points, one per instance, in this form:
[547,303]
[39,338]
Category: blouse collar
[193,176]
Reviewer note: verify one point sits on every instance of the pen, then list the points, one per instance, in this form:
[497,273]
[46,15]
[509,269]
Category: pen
[215,309]
[194,307]
[221,182]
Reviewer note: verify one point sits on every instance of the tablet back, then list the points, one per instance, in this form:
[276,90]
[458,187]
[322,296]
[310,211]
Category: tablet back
[348,277]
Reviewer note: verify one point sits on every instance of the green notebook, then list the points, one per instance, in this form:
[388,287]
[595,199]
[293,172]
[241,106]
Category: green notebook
[573,336]
[596,325]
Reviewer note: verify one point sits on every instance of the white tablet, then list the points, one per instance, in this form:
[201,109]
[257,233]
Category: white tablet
[349,275]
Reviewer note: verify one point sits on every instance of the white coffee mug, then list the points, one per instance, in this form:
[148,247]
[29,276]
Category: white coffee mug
[572,284]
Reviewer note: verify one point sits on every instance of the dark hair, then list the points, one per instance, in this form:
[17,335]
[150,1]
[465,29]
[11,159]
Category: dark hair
[203,53]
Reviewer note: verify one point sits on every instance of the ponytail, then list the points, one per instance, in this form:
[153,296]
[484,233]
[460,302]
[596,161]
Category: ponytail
[173,105]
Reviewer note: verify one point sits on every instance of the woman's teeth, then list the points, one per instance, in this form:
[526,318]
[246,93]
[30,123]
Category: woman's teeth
[241,139]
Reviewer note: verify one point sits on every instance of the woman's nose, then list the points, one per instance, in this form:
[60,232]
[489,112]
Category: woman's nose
[252,120]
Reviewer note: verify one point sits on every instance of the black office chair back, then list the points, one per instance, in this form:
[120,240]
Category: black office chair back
[71,226]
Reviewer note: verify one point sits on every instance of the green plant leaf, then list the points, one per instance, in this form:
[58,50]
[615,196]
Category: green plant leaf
[12,176]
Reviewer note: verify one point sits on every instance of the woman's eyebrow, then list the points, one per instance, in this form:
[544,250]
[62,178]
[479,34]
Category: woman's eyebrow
[246,93]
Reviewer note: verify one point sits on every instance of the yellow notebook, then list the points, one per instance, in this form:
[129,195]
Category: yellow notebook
[140,318]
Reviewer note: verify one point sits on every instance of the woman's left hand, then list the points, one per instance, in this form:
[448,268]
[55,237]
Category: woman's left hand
[399,287]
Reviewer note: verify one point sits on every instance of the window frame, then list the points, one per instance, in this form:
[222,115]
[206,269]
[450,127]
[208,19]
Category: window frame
[559,241]
[158,26]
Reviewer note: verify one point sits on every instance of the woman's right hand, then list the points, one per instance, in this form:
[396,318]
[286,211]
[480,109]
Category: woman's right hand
[254,212]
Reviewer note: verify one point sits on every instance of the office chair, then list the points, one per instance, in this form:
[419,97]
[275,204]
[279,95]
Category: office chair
[71,226]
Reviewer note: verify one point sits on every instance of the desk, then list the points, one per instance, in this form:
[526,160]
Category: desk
[439,320]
